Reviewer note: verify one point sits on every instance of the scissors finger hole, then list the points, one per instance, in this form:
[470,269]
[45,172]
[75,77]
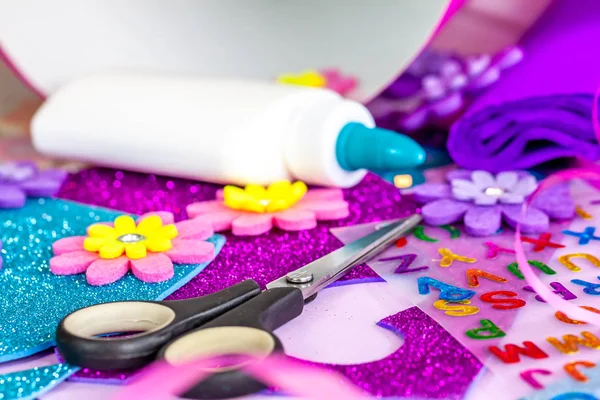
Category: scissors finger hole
[222,341]
[121,317]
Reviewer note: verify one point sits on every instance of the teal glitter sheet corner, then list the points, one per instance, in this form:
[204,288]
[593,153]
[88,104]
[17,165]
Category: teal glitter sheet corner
[31,383]
[33,300]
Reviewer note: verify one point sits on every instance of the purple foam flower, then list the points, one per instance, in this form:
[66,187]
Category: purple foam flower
[483,200]
[19,180]
[440,86]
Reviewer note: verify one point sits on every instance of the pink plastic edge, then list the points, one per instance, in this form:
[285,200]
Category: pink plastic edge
[12,67]
[452,8]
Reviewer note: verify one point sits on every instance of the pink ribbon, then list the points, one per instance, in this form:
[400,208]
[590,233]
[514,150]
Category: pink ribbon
[162,380]
[590,173]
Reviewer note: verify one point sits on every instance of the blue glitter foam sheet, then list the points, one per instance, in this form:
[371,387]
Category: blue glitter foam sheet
[33,300]
[31,383]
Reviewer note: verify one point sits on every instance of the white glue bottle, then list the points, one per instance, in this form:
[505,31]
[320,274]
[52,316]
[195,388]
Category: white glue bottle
[222,131]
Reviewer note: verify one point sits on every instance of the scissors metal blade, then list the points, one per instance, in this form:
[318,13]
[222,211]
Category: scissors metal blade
[320,273]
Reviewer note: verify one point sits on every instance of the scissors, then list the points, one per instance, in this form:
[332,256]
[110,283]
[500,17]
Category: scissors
[237,320]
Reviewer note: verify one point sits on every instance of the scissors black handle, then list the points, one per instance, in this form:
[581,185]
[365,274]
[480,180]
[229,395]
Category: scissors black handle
[159,322]
[236,320]
[247,330]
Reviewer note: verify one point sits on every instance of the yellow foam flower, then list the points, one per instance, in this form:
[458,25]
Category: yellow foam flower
[307,78]
[278,196]
[130,239]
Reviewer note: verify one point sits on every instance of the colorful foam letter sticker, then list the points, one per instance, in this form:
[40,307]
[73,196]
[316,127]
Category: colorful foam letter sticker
[405,261]
[473,276]
[514,268]
[566,260]
[419,233]
[562,317]
[582,213]
[590,288]
[570,345]
[503,304]
[447,292]
[486,326]
[449,257]
[527,376]
[494,250]
[456,308]
[584,237]
[571,369]
[542,242]
[559,289]
[401,242]
[511,353]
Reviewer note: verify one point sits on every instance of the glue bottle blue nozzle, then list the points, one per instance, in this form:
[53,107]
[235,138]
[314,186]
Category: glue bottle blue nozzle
[376,149]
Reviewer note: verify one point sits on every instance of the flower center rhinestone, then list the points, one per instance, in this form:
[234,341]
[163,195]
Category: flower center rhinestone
[131,238]
[494,192]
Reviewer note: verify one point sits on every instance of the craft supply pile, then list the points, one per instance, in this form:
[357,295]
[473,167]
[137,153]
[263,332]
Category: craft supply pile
[173,235]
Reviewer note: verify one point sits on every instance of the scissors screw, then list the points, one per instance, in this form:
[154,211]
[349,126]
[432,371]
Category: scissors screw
[299,277]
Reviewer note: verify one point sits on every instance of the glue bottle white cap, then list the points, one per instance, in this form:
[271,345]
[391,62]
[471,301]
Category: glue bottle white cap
[222,131]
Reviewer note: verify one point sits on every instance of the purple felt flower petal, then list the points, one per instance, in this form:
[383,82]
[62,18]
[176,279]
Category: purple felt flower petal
[450,68]
[483,221]
[512,198]
[429,192]
[556,201]
[433,87]
[27,164]
[41,186]
[11,196]
[444,211]
[466,190]
[466,174]
[54,174]
[484,80]
[535,221]
[483,179]
[17,171]
[507,180]
[508,57]
[457,82]
[525,186]
[476,65]
[458,174]
[415,120]
[447,105]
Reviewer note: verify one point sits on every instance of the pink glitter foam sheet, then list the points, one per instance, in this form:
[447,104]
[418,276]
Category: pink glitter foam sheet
[269,256]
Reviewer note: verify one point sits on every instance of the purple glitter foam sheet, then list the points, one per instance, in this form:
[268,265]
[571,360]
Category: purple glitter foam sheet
[269,256]
[431,363]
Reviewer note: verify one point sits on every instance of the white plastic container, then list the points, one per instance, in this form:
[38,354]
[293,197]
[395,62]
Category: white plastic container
[220,131]
[49,43]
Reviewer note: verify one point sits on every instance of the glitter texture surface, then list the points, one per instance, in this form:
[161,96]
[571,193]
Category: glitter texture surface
[32,299]
[430,364]
[31,383]
[262,258]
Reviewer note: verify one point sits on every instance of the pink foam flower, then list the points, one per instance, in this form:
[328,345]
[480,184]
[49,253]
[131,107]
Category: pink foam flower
[148,247]
[338,82]
[315,205]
